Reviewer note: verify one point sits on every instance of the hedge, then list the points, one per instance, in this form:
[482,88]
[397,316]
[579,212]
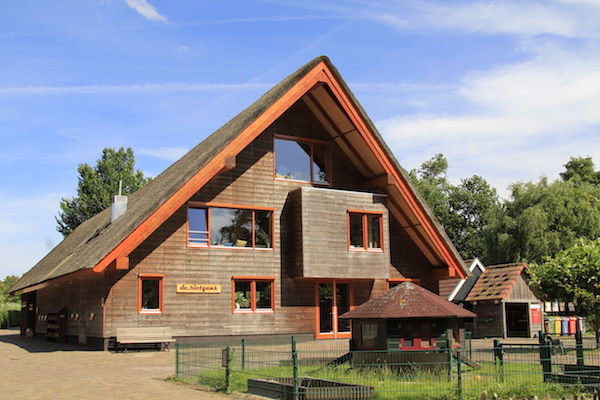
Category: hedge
[9,318]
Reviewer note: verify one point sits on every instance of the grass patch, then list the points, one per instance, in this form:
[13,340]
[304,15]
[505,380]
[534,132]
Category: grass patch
[516,379]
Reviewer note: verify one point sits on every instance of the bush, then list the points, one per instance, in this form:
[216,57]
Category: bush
[9,316]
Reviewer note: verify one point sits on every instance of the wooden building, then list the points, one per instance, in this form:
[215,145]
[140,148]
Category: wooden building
[502,299]
[289,215]
[407,317]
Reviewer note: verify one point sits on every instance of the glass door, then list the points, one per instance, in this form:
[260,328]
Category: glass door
[334,298]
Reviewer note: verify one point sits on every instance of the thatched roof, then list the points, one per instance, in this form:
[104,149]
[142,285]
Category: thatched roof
[95,238]
[408,300]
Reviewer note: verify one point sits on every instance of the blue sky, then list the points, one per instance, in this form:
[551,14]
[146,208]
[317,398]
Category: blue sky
[507,90]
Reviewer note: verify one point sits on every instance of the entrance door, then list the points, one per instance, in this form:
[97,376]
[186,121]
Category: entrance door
[334,298]
[517,320]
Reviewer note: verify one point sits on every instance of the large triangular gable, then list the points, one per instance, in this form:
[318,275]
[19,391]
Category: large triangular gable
[417,220]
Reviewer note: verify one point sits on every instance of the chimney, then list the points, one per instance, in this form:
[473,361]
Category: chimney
[119,205]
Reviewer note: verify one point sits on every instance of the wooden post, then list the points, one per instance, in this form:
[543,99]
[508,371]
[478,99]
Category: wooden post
[177,360]
[243,357]
[227,369]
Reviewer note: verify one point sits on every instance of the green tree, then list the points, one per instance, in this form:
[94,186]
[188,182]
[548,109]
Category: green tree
[573,275]
[464,210]
[581,169]
[542,219]
[97,185]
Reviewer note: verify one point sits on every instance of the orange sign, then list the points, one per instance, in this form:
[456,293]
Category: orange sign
[198,288]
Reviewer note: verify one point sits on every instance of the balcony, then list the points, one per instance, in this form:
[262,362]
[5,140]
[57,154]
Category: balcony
[316,241]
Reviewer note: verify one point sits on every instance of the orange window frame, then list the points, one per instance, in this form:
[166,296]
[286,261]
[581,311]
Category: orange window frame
[365,231]
[161,291]
[335,334]
[210,205]
[253,280]
[328,162]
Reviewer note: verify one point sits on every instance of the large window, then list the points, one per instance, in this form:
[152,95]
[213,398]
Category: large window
[150,294]
[230,227]
[302,160]
[365,230]
[253,294]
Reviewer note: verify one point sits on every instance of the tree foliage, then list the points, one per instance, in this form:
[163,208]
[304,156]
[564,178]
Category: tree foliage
[573,275]
[581,169]
[542,219]
[6,284]
[97,185]
[464,210]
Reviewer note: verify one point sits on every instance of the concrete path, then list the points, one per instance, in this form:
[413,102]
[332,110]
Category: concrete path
[37,369]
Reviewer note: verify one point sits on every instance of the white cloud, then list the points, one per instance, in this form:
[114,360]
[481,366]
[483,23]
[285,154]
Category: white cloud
[165,153]
[147,10]
[522,120]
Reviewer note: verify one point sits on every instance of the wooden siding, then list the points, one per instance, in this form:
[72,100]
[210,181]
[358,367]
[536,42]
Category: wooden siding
[446,286]
[250,183]
[490,319]
[324,236]
[82,297]
[521,291]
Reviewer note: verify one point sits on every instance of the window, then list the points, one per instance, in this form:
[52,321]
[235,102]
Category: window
[365,230]
[302,160]
[253,294]
[230,227]
[150,294]
[369,335]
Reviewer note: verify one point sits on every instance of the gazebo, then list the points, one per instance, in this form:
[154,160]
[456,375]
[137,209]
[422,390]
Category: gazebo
[407,317]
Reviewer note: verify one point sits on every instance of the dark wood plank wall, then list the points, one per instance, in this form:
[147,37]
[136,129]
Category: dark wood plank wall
[490,319]
[250,183]
[446,286]
[521,291]
[82,296]
[407,261]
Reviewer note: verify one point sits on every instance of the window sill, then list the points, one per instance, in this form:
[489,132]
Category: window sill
[200,246]
[265,311]
[150,312]
[316,183]
[363,250]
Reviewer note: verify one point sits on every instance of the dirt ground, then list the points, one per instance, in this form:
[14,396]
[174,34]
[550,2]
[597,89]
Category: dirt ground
[37,369]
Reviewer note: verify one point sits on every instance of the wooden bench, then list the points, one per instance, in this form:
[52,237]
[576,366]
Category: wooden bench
[145,335]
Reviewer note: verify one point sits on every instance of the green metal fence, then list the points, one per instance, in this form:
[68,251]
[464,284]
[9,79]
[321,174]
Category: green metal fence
[320,369]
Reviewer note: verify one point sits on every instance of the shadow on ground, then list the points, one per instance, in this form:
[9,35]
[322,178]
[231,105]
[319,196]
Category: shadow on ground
[36,344]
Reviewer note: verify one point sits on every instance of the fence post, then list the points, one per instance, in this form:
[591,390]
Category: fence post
[579,347]
[295,379]
[499,358]
[243,358]
[227,369]
[545,355]
[449,350]
[459,373]
[177,360]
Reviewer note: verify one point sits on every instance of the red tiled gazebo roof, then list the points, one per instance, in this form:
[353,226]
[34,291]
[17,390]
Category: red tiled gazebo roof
[408,300]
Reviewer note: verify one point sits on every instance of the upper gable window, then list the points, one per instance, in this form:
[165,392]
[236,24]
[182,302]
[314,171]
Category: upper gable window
[300,159]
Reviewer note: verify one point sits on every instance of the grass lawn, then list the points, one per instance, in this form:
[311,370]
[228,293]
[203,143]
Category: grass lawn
[516,379]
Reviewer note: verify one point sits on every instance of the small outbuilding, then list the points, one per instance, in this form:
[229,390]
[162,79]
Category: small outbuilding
[407,317]
[504,303]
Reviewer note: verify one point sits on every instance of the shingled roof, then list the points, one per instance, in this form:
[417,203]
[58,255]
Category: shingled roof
[408,300]
[96,238]
[496,282]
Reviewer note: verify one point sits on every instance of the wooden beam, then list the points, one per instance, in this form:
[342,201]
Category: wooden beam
[122,263]
[228,163]
[381,181]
